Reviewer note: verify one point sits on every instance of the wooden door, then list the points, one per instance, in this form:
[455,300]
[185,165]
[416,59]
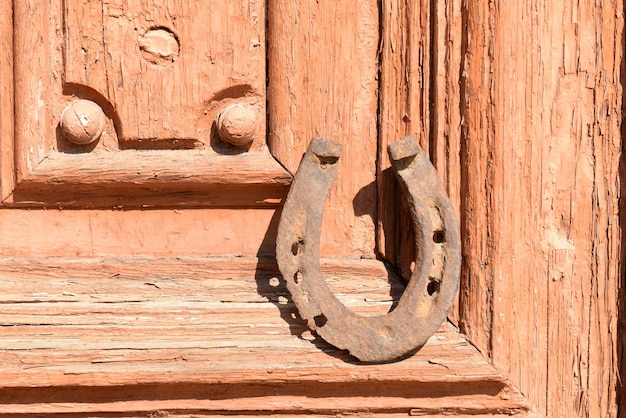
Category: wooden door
[137,271]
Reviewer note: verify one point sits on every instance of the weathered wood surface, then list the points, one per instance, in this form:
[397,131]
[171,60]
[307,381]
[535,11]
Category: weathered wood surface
[7,134]
[161,64]
[142,233]
[101,51]
[445,130]
[404,110]
[541,111]
[127,179]
[32,89]
[100,336]
[322,82]
[420,55]
[520,108]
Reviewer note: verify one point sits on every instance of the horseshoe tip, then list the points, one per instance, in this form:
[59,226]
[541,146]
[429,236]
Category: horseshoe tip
[325,148]
[404,149]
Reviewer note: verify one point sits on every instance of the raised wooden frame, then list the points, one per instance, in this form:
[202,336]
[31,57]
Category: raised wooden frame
[40,170]
[206,337]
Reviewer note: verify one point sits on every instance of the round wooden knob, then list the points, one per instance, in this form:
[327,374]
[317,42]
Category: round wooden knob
[82,122]
[237,124]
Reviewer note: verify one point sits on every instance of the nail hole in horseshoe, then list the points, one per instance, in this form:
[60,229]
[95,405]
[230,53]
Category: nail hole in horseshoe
[439,237]
[326,161]
[297,277]
[320,320]
[433,287]
[295,247]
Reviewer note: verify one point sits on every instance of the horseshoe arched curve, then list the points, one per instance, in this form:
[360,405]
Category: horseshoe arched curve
[429,294]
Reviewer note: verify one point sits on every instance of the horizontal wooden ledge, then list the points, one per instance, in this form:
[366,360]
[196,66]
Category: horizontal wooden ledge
[130,179]
[200,336]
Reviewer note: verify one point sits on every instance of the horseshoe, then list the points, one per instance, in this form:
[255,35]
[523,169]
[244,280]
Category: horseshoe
[429,294]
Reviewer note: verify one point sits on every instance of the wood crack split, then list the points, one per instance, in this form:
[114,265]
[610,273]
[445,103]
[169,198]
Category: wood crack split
[438,363]
[152,284]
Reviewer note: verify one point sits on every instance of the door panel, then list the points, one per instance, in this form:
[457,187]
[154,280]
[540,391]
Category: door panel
[158,75]
[164,65]
[137,273]
[542,107]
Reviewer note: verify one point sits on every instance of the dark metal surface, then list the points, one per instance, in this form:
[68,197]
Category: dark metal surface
[427,298]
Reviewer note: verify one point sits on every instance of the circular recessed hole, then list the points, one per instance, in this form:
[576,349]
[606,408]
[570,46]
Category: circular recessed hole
[433,287]
[320,320]
[327,161]
[297,277]
[439,237]
[159,46]
[274,281]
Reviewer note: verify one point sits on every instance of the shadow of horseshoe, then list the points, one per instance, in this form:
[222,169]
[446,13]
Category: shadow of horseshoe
[429,295]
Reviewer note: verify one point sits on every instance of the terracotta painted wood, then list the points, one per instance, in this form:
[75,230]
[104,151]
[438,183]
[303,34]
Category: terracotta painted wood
[445,128]
[128,179]
[7,163]
[159,63]
[32,108]
[218,329]
[419,95]
[404,110]
[163,69]
[164,299]
[322,83]
[142,233]
[541,109]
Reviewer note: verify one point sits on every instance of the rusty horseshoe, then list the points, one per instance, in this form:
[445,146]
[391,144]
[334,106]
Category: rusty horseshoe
[429,294]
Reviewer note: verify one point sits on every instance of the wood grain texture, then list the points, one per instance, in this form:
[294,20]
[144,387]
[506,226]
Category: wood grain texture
[32,88]
[520,107]
[322,83]
[404,109]
[445,128]
[541,110]
[101,51]
[7,162]
[131,179]
[148,233]
[160,64]
[477,186]
[97,340]
[419,95]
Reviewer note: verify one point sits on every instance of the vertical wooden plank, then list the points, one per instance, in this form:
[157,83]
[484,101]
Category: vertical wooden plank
[607,236]
[322,83]
[7,162]
[586,105]
[446,119]
[520,288]
[477,176]
[419,95]
[32,88]
[541,110]
[404,109]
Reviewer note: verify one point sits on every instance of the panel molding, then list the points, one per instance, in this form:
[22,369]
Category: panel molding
[41,168]
[215,336]
[140,179]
